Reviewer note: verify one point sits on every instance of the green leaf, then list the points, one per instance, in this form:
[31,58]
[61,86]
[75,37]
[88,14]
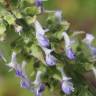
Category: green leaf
[31,11]
[6,50]
[10,19]
[2,28]
[57,77]
[37,53]
[58,35]
[30,19]
[17,14]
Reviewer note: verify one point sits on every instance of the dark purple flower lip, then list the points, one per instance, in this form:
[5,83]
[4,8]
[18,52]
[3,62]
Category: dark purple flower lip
[38,3]
[25,84]
[42,88]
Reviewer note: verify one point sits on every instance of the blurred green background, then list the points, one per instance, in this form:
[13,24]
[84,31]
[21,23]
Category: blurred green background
[82,16]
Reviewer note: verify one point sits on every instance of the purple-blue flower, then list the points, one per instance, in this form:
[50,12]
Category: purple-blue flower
[42,40]
[40,89]
[68,50]
[93,50]
[19,73]
[39,86]
[50,60]
[88,39]
[70,54]
[58,15]
[67,86]
[25,84]
[38,3]
[40,35]
[39,29]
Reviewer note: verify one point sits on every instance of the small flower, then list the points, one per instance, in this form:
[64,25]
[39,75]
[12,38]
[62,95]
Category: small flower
[93,50]
[50,59]
[67,86]
[19,73]
[13,61]
[40,35]
[58,15]
[40,89]
[42,40]
[20,70]
[69,53]
[38,3]
[25,84]
[67,40]
[39,29]
[88,39]
[18,28]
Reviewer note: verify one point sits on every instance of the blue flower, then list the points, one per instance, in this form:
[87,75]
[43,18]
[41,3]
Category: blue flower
[39,29]
[67,86]
[40,35]
[42,40]
[68,50]
[93,50]
[19,73]
[50,60]
[13,61]
[58,15]
[88,39]
[38,3]
[70,54]
[40,89]
[25,84]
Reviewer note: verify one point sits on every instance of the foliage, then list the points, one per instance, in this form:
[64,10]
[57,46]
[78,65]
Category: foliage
[20,33]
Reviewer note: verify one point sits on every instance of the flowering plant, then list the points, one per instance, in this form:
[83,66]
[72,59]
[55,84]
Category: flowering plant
[60,59]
